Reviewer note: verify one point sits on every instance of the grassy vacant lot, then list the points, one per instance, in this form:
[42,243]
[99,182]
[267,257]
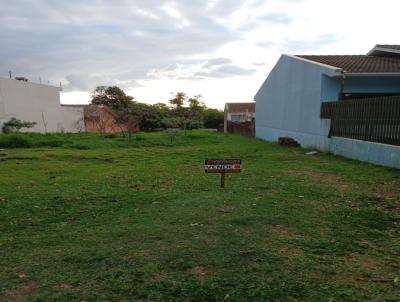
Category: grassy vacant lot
[97,220]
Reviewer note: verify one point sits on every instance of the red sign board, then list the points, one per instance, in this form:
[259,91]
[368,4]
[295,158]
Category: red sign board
[223,165]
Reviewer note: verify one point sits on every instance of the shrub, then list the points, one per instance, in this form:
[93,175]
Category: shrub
[48,142]
[140,137]
[197,135]
[14,141]
[14,125]
[79,146]
[110,135]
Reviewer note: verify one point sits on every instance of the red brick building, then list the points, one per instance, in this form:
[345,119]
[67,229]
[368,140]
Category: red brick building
[99,118]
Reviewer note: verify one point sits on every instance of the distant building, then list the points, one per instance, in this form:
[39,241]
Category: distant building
[99,118]
[239,113]
[346,104]
[31,102]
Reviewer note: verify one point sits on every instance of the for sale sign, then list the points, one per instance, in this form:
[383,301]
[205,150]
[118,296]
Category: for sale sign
[223,165]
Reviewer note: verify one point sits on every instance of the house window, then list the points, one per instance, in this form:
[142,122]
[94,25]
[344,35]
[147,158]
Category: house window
[238,118]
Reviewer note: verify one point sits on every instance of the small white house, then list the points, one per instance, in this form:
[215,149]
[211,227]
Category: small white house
[31,102]
[238,113]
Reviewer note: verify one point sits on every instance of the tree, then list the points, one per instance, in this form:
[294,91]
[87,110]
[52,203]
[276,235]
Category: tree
[196,112]
[15,125]
[132,123]
[213,118]
[150,116]
[187,117]
[179,100]
[112,97]
[123,107]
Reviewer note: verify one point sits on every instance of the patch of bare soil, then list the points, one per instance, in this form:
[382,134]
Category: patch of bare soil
[16,295]
[29,289]
[63,286]
[282,232]
[247,252]
[9,295]
[384,191]
[291,252]
[226,209]
[198,272]
[363,269]
[362,261]
[388,191]
[326,178]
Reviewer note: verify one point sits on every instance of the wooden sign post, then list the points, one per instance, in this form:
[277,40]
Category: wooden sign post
[223,166]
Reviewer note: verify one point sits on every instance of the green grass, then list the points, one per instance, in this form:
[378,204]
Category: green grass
[103,220]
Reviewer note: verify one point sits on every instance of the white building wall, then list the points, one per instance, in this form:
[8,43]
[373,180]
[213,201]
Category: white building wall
[38,103]
[289,103]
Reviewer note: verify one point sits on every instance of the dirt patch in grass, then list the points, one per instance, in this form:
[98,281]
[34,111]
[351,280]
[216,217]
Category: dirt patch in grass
[363,262]
[63,286]
[362,269]
[17,295]
[198,272]
[325,178]
[28,290]
[387,191]
[291,252]
[282,232]
[226,209]
[9,295]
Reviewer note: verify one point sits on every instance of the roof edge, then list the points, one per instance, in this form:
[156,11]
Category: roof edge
[332,68]
[252,102]
[382,49]
[372,74]
[32,83]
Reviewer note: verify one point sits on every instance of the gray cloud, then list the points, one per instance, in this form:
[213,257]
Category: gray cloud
[226,71]
[81,42]
[259,63]
[276,18]
[86,82]
[217,62]
[272,19]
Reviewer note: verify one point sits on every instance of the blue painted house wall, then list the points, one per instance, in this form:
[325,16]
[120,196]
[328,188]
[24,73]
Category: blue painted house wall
[289,102]
[377,84]
[285,108]
[332,86]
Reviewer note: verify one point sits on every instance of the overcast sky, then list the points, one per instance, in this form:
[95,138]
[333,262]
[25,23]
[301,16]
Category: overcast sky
[221,49]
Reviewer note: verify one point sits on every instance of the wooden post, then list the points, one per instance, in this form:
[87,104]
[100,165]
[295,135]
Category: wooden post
[223,180]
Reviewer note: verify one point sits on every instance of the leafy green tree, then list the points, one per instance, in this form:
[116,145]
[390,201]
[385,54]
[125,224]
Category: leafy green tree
[196,112]
[179,100]
[189,116]
[150,116]
[112,97]
[15,125]
[213,118]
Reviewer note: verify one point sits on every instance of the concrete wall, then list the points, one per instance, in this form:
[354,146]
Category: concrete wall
[34,102]
[379,154]
[289,102]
